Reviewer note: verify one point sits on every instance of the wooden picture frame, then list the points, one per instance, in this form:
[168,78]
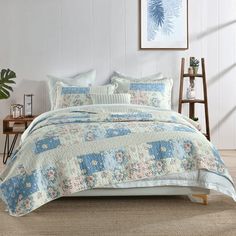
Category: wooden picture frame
[147,37]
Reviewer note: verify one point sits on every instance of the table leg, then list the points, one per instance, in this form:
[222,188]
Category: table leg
[8,151]
[6,147]
[12,145]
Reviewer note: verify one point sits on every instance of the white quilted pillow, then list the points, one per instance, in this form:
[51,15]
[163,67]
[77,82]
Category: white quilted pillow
[122,98]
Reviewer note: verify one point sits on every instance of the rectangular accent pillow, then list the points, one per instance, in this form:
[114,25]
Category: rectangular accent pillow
[69,96]
[152,92]
[85,79]
[121,98]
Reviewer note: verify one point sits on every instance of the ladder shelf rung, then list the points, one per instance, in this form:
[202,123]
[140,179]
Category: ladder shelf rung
[193,101]
[193,76]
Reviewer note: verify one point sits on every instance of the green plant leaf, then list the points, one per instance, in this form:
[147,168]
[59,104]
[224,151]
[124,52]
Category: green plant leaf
[3,95]
[7,87]
[6,92]
[6,78]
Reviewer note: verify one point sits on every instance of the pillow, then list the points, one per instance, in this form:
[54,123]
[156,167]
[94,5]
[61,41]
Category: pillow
[155,93]
[149,77]
[122,98]
[83,79]
[123,80]
[68,96]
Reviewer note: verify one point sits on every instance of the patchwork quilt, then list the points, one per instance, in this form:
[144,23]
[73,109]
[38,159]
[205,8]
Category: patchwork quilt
[81,148]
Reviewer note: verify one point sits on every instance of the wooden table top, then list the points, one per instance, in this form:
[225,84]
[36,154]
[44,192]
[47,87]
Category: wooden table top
[22,119]
[7,129]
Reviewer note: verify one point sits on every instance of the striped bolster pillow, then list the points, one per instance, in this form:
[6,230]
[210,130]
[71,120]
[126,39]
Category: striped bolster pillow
[121,98]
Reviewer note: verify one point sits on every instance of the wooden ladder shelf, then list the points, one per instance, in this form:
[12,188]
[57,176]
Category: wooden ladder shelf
[192,102]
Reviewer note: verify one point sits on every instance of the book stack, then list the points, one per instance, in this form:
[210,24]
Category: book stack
[18,127]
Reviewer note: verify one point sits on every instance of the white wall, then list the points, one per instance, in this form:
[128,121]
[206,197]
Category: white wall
[67,36]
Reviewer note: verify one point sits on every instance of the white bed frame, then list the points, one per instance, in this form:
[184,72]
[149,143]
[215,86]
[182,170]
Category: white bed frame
[191,192]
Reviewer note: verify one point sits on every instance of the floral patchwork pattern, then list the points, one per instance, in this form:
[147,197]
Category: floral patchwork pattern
[91,163]
[68,96]
[155,93]
[46,144]
[161,149]
[76,150]
[18,189]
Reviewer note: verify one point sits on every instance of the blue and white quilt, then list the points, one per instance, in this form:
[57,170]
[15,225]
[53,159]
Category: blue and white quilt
[81,148]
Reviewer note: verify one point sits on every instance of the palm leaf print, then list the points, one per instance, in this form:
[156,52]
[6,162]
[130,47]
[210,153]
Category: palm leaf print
[156,11]
[161,17]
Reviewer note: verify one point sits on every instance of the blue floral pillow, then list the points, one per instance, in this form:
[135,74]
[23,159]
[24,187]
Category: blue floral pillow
[82,79]
[151,92]
[69,96]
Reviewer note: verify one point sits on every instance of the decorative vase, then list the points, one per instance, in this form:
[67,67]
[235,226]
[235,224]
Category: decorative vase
[195,69]
[190,93]
[190,71]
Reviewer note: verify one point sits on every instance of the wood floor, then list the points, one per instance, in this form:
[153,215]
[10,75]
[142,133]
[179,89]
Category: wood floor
[137,216]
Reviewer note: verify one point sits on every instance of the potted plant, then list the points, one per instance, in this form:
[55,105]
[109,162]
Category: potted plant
[194,63]
[6,79]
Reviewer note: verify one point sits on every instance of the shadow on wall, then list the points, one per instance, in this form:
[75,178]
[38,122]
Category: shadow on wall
[211,31]
[218,76]
[40,91]
[224,119]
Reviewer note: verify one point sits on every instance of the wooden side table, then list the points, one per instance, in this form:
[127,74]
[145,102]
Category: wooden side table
[8,130]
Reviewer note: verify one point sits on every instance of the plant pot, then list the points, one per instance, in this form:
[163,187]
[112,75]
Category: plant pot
[195,69]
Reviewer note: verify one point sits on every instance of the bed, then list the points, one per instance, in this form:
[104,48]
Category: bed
[111,150]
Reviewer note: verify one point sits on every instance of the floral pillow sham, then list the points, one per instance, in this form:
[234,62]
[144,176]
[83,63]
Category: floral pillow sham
[69,96]
[85,79]
[150,92]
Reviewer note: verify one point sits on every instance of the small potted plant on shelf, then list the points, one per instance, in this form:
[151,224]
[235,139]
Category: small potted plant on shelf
[194,63]
[6,79]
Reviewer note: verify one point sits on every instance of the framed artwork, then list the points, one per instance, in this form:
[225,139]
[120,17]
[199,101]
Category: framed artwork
[164,24]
